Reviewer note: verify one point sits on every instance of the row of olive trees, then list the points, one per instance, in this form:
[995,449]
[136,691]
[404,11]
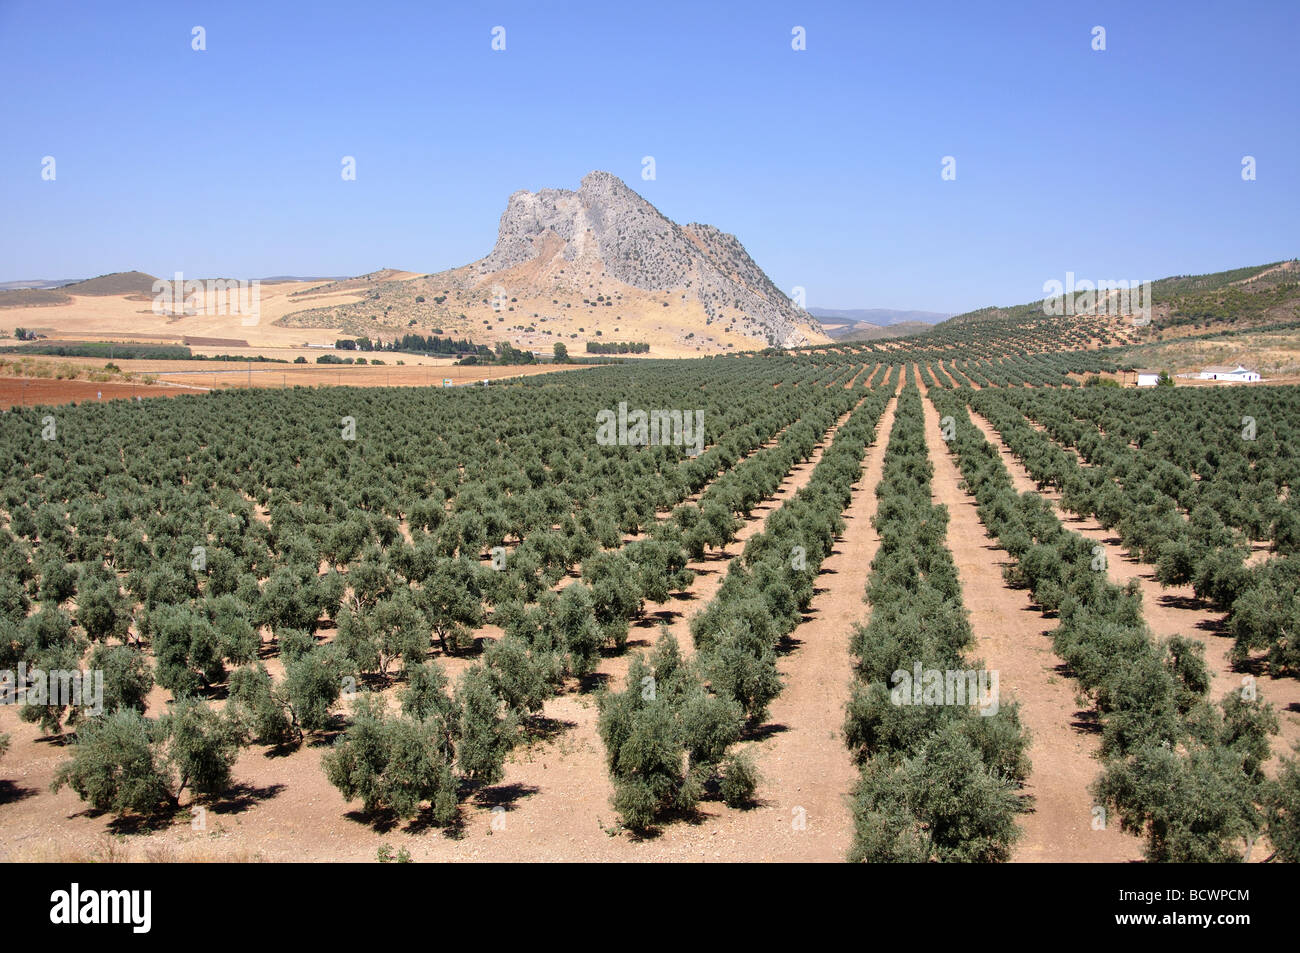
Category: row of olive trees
[1182,771]
[438,743]
[667,733]
[769,587]
[1183,490]
[940,778]
[394,600]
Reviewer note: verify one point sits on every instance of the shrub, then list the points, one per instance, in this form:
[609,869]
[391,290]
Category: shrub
[312,684]
[739,780]
[941,804]
[201,746]
[664,735]
[116,766]
[392,764]
[261,706]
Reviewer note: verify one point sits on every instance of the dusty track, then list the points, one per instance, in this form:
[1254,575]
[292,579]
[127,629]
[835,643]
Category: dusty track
[807,773]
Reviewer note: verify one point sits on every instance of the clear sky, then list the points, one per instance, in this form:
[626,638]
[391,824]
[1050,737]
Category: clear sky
[824,162]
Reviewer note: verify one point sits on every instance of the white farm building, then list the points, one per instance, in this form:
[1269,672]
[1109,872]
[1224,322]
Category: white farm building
[1148,378]
[1225,372]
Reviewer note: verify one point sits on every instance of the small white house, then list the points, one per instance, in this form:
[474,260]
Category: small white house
[1148,378]
[1224,372]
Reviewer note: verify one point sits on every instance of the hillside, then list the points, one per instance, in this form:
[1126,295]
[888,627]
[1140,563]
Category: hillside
[865,331]
[117,283]
[598,263]
[1241,297]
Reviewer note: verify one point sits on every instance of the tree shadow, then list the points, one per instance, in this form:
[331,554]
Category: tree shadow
[473,650]
[238,798]
[1256,665]
[282,750]
[762,732]
[692,816]
[380,821]
[377,682]
[654,619]
[593,682]
[504,796]
[215,692]
[1181,602]
[1086,722]
[618,651]
[139,823]
[11,793]
[324,737]
[62,739]
[425,821]
[542,728]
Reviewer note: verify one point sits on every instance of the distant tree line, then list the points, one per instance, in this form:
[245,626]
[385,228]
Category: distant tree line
[618,347]
[505,353]
[115,351]
[416,344]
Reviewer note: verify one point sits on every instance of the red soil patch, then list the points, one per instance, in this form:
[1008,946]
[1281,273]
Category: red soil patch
[31,391]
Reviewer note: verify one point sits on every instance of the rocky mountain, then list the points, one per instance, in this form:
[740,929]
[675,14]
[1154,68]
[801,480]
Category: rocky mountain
[589,269]
[604,235]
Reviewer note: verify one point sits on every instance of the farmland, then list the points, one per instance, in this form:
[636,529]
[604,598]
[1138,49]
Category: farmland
[337,620]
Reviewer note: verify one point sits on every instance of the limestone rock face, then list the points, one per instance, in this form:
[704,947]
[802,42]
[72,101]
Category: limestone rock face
[550,238]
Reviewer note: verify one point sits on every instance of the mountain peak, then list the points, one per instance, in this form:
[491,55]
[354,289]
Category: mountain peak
[545,238]
[598,179]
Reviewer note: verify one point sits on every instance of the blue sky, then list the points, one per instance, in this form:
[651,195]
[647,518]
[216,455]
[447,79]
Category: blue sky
[825,163]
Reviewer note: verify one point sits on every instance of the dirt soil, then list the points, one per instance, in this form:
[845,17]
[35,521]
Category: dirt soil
[33,391]
[190,377]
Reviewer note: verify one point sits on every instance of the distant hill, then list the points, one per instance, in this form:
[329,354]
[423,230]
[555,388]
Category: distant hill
[275,278]
[31,297]
[871,324]
[872,332]
[34,284]
[117,283]
[879,317]
[1238,298]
